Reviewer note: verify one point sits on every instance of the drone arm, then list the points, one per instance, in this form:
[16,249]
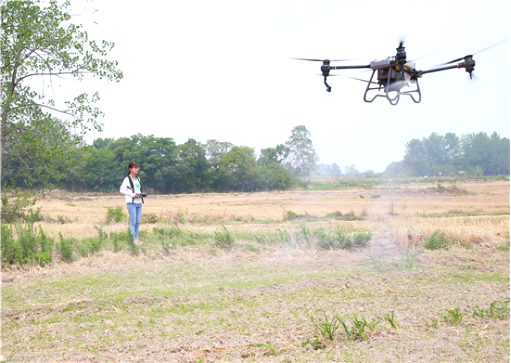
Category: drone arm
[459,65]
[349,67]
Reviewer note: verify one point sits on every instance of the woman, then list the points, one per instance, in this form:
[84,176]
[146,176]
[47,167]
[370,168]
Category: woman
[130,187]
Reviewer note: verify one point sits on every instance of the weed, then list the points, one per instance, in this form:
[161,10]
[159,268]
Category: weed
[316,343]
[270,350]
[117,238]
[290,215]
[409,262]
[390,319]
[63,220]
[497,310]
[454,316]
[132,246]
[224,238]
[436,241]
[357,331]
[328,328]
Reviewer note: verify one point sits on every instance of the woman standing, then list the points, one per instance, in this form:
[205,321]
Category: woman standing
[130,187]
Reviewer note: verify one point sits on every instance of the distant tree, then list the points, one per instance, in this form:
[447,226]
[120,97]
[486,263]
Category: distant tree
[415,160]
[472,154]
[395,168]
[351,171]
[335,170]
[302,156]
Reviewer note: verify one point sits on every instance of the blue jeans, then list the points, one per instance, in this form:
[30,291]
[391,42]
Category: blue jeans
[135,212]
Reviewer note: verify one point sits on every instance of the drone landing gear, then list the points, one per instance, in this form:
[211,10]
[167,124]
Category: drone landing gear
[328,88]
[388,90]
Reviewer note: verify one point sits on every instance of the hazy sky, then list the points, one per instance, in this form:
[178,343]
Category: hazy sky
[221,70]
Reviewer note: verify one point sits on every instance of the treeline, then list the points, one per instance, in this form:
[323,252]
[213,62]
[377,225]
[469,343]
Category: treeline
[166,167]
[471,154]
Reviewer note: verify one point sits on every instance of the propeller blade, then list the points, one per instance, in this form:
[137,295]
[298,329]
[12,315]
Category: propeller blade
[493,45]
[336,75]
[482,50]
[426,56]
[362,80]
[321,60]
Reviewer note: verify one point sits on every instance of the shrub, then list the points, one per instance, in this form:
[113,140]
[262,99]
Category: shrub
[66,248]
[28,248]
[14,204]
[10,248]
[150,218]
[362,239]
[115,215]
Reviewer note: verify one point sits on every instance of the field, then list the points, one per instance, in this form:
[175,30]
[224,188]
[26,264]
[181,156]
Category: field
[260,277]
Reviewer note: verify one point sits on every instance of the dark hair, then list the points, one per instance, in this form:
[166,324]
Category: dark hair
[131,166]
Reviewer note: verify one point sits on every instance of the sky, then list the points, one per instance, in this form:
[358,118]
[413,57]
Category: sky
[223,70]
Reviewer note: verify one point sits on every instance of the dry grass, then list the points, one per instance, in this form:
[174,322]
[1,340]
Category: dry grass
[404,212]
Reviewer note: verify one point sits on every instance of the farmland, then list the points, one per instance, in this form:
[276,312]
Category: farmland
[261,277]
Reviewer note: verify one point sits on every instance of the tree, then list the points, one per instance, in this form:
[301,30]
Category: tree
[351,170]
[192,166]
[238,167]
[41,43]
[302,156]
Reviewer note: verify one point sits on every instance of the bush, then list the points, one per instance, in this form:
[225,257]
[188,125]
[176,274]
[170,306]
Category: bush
[66,248]
[30,247]
[115,215]
[10,248]
[149,218]
[362,239]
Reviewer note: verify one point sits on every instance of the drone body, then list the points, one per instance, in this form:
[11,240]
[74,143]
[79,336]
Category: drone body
[395,73]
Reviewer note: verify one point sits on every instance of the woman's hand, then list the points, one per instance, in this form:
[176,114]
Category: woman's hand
[136,196]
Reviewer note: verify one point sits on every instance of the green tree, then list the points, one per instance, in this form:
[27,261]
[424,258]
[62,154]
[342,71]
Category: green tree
[214,151]
[42,43]
[302,156]
[192,166]
[238,168]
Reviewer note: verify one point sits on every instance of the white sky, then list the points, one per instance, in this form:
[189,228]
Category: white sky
[221,70]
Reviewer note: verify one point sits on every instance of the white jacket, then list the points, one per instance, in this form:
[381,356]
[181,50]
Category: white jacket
[126,190]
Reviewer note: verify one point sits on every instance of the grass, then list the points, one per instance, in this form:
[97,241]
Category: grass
[255,305]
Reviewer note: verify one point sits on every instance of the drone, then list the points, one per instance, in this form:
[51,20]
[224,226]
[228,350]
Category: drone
[395,73]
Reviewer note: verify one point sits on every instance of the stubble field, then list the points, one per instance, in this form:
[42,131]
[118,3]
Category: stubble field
[263,299]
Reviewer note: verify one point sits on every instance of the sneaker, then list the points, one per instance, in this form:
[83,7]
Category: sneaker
[137,242]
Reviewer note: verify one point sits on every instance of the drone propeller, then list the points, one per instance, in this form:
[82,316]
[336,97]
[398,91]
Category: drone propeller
[362,80]
[323,60]
[482,50]
[336,75]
